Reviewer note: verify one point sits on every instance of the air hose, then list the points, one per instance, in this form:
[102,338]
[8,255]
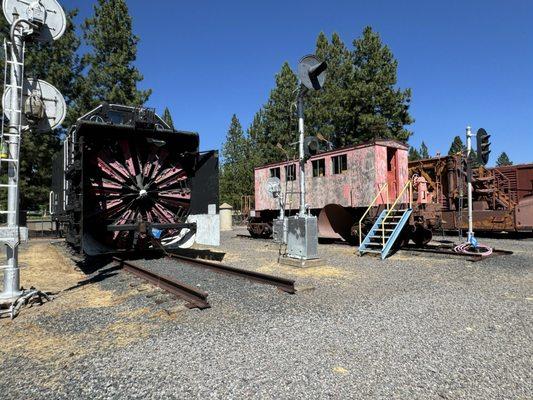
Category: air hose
[468,248]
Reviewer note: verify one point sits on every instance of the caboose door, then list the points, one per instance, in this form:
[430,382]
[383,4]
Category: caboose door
[392,173]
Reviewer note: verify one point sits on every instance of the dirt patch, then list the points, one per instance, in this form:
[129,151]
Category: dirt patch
[323,271]
[34,332]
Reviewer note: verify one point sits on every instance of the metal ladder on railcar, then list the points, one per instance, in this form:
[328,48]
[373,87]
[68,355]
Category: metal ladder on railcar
[388,226]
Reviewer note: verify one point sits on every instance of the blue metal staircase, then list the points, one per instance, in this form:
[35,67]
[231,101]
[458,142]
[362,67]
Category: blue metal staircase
[385,232]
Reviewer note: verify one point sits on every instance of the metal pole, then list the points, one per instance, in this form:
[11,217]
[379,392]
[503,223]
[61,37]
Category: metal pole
[469,181]
[12,272]
[302,153]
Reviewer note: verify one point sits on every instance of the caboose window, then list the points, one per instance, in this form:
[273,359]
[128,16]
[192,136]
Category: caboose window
[339,164]
[319,167]
[275,172]
[290,172]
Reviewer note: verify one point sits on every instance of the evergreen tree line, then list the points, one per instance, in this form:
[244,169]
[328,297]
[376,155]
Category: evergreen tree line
[457,147]
[105,71]
[360,102]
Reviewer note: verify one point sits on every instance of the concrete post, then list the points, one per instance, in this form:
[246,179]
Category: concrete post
[226,217]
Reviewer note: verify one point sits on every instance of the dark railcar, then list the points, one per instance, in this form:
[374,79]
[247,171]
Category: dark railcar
[124,179]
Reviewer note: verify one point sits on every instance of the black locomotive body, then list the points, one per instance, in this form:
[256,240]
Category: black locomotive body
[125,180]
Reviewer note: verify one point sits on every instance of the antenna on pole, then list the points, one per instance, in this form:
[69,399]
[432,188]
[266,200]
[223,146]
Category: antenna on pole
[28,105]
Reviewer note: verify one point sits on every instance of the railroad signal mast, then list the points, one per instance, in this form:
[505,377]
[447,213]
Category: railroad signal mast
[483,151]
[302,240]
[29,106]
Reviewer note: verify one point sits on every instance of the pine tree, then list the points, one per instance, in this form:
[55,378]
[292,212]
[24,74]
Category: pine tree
[359,101]
[503,160]
[58,64]
[414,155]
[111,75]
[326,111]
[167,117]
[236,178]
[280,124]
[255,133]
[379,109]
[457,146]
[424,152]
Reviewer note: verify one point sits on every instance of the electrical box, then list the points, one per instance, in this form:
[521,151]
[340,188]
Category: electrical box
[302,238]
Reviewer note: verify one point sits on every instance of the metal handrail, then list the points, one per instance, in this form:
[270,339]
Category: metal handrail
[369,207]
[409,185]
[508,181]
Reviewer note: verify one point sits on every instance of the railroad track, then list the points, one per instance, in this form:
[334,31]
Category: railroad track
[286,285]
[194,297]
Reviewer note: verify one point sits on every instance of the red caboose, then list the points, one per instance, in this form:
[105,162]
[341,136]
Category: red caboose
[341,185]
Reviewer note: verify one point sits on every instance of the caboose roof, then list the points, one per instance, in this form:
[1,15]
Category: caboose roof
[375,142]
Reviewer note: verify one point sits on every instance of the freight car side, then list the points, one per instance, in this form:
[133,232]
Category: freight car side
[341,185]
[503,196]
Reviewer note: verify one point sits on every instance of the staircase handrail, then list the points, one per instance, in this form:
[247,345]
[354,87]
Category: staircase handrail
[508,181]
[370,207]
[409,185]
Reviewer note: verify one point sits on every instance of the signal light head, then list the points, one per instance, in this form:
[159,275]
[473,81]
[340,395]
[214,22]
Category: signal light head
[311,146]
[312,72]
[483,146]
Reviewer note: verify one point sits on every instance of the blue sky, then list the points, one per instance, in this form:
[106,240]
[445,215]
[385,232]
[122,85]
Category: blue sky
[467,62]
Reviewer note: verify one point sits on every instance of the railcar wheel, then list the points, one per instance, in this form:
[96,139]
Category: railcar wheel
[421,236]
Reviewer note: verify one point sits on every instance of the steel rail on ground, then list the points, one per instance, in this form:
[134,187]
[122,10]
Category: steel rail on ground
[286,285]
[195,298]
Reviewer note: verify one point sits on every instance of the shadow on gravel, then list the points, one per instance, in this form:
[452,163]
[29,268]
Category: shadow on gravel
[202,254]
[101,276]
[90,265]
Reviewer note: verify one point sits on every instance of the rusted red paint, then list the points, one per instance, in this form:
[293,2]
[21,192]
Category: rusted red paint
[356,187]
[503,196]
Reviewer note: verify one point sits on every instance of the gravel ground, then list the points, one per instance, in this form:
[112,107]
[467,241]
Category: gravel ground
[408,328]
